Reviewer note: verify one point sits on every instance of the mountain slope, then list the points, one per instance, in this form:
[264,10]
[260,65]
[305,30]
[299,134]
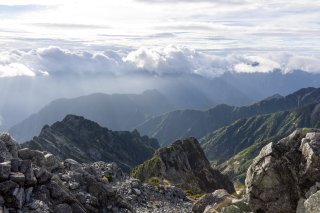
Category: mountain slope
[185,123]
[118,112]
[233,147]
[86,141]
[184,165]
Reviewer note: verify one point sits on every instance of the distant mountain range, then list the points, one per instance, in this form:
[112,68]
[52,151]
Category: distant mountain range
[117,112]
[178,91]
[185,123]
[85,141]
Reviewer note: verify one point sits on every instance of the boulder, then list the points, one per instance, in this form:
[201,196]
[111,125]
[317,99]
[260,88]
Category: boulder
[283,172]
[211,201]
[10,144]
[62,208]
[5,169]
[17,177]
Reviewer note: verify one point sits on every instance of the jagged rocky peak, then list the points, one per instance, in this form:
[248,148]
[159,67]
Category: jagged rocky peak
[86,141]
[183,164]
[285,176]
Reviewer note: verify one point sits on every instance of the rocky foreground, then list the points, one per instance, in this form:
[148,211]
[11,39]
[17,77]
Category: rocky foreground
[34,181]
[283,178]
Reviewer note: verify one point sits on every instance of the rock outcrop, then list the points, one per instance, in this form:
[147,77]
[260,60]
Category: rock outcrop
[281,177]
[85,141]
[35,181]
[220,201]
[184,164]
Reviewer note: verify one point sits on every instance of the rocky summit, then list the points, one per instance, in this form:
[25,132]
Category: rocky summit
[285,176]
[183,164]
[38,182]
[86,141]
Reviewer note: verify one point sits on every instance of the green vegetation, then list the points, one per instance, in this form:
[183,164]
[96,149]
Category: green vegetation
[154,181]
[306,130]
[147,169]
[107,178]
[193,194]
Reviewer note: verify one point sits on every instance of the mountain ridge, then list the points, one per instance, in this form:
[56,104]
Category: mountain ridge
[86,141]
[180,124]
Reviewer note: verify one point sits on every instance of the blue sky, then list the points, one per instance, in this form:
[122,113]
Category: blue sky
[160,35]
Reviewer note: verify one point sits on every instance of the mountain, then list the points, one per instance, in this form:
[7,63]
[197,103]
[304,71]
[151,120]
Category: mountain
[118,112]
[185,123]
[183,164]
[197,92]
[233,147]
[183,91]
[86,141]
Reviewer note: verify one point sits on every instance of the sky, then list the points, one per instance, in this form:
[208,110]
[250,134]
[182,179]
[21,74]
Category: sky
[205,37]
[65,48]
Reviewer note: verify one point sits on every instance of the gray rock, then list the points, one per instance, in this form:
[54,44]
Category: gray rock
[209,200]
[15,164]
[74,185]
[28,193]
[7,186]
[312,204]
[39,206]
[51,162]
[27,169]
[62,208]
[5,169]
[10,145]
[19,196]
[283,173]
[185,165]
[137,191]
[17,177]
[43,176]
[71,164]
[1,201]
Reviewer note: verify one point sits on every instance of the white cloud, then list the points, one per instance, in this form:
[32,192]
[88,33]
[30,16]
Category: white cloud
[15,69]
[57,62]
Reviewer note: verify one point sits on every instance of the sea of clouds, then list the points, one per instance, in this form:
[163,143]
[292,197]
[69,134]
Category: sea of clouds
[57,62]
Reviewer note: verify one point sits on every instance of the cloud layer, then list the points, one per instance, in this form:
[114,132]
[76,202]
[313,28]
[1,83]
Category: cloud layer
[171,60]
[227,26]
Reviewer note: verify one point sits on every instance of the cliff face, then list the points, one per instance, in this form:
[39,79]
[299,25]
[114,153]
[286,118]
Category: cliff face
[85,141]
[184,164]
[284,177]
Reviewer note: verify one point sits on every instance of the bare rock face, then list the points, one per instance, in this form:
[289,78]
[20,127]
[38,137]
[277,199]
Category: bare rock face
[283,173]
[185,165]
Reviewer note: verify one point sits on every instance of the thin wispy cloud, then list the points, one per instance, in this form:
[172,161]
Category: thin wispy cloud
[260,24]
